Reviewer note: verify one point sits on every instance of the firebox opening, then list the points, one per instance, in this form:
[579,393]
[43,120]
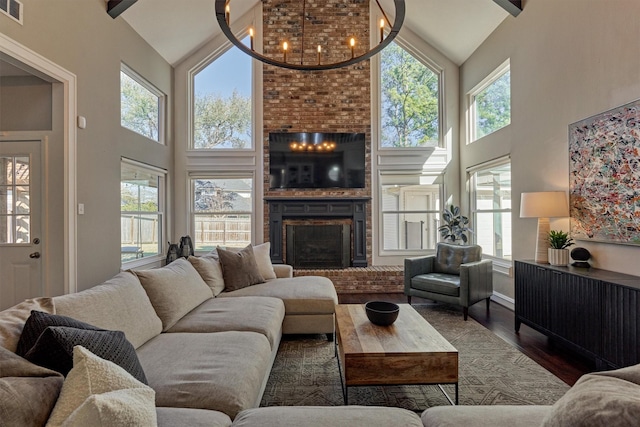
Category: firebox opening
[319,246]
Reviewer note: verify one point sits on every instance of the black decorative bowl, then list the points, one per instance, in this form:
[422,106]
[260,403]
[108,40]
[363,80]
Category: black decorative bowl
[382,313]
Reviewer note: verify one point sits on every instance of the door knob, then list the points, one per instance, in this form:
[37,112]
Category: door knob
[34,255]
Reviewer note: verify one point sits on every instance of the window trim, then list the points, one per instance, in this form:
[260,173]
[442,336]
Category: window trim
[222,174]
[501,70]
[162,103]
[162,206]
[377,90]
[500,265]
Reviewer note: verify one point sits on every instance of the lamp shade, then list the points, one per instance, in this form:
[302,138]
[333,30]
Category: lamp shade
[544,204]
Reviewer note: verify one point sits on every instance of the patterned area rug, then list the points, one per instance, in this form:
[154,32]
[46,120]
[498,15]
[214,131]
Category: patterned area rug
[491,372]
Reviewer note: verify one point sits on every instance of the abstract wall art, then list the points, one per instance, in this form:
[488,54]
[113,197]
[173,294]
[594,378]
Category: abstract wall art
[604,176]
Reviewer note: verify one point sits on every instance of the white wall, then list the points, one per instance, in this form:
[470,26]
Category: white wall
[82,38]
[570,59]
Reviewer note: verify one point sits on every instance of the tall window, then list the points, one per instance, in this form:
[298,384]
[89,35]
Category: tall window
[222,211]
[141,105]
[410,211]
[491,208]
[222,103]
[491,103]
[142,198]
[410,100]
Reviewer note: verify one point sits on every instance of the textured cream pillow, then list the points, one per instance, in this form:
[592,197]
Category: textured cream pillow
[12,320]
[263,259]
[211,272]
[174,290]
[92,375]
[239,269]
[118,408]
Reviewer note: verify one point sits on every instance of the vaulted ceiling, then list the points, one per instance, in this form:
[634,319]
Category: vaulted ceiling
[454,27]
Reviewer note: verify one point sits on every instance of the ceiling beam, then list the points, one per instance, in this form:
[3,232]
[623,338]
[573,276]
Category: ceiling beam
[116,7]
[514,7]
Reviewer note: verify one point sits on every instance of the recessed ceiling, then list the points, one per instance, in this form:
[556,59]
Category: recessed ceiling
[454,27]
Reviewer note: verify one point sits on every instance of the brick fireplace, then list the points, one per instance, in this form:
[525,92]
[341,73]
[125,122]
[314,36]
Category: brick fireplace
[322,101]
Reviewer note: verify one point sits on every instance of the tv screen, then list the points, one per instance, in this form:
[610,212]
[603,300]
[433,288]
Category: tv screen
[316,160]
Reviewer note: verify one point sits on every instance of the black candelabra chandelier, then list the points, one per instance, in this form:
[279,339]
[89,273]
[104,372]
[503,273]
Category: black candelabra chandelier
[223,15]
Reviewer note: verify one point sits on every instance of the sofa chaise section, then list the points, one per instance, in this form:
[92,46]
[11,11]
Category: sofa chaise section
[222,371]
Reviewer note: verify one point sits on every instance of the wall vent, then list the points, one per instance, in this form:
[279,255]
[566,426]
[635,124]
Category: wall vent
[12,8]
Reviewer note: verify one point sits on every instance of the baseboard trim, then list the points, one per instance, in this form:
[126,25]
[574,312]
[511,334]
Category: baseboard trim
[504,300]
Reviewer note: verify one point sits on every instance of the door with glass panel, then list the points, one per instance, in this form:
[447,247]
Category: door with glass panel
[20,222]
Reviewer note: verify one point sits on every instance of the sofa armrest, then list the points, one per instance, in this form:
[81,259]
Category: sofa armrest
[476,281]
[283,271]
[415,266]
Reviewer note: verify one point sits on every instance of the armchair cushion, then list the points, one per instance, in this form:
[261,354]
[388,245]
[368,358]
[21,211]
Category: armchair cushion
[446,284]
[450,256]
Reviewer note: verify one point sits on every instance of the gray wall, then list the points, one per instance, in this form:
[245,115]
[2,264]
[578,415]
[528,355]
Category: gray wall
[25,104]
[82,38]
[570,59]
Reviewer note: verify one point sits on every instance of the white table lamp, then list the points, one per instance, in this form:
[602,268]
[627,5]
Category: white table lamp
[543,205]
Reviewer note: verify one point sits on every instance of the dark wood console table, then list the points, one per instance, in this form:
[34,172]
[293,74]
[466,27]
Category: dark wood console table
[595,312]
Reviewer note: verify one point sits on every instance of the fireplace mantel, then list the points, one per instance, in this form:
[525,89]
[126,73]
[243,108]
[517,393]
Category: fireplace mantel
[281,208]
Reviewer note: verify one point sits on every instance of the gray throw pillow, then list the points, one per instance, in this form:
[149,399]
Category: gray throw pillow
[54,349]
[239,269]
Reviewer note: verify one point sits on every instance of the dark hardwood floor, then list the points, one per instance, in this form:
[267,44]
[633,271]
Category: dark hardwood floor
[563,363]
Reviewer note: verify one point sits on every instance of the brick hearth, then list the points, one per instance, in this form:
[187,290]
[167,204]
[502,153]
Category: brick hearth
[381,279]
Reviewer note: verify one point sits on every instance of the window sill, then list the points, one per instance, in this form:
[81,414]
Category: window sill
[149,262]
[502,266]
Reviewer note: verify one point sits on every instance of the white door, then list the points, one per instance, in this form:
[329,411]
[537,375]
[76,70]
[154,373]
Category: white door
[20,222]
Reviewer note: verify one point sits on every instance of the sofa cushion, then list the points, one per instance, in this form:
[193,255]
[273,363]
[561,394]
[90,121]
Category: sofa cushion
[54,349]
[449,257]
[27,392]
[38,322]
[91,377]
[485,416]
[12,320]
[321,416]
[301,295]
[174,290]
[439,283]
[221,371]
[607,399]
[255,314]
[118,304]
[172,417]
[210,270]
[239,268]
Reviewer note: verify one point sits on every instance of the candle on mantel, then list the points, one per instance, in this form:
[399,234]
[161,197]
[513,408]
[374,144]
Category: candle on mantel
[381,30]
[319,51]
[285,46]
[251,37]
[353,45]
[227,13]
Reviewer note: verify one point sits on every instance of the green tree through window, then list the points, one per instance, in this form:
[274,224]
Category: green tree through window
[410,100]
[139,108]
[493,106]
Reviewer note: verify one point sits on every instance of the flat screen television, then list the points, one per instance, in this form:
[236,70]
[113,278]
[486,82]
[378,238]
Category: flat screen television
[316,160]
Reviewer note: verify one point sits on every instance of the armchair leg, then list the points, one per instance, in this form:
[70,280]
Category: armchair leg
[488,302]
[465,312]
[409,299]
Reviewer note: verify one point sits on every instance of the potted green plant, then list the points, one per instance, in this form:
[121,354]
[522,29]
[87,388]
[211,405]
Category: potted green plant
[455,227]
[558,252]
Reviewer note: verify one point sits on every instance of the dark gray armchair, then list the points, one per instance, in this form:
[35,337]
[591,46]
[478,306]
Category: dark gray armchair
[455,274]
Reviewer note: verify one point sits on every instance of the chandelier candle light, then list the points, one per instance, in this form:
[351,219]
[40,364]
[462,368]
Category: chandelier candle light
[223,16]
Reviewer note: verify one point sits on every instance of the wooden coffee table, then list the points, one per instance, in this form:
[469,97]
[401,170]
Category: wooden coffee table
[409,352]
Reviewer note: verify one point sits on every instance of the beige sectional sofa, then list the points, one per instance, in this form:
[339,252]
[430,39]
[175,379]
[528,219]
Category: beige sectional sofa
[207,358]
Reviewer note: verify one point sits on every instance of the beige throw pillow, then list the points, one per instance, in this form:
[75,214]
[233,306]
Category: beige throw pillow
[239,269]
[12,320]
[92,376]
[174,290]
[210,270]
[602,399]
[263,259]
